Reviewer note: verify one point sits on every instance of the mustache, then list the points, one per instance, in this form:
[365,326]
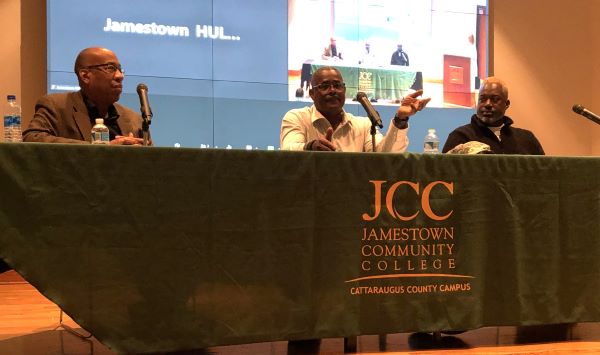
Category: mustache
[333,95]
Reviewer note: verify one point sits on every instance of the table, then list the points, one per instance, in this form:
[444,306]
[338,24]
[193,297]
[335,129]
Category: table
[388,83]
[163,249]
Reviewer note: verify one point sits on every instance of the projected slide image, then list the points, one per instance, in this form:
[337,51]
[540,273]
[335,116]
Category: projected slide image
[389,48]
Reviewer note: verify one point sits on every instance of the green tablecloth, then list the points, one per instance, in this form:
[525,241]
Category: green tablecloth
[158,249]
[377,83]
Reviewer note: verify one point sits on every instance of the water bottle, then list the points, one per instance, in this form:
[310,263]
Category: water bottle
[100,132]
[431,143]
[12,120]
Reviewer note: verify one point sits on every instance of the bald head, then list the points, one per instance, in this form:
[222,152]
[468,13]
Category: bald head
[499,83]
[91,56]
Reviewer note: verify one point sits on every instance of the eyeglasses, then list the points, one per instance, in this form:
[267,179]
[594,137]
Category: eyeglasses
[109,68]
[324,86]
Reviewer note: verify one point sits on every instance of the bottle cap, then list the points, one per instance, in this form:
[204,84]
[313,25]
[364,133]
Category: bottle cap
[431,130]
[11,97]
[99,120]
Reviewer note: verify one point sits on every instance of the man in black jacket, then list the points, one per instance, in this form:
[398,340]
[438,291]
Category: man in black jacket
[399,57]
[490,126]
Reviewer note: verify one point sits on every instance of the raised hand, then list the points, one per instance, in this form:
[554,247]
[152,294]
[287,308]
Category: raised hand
[411,104]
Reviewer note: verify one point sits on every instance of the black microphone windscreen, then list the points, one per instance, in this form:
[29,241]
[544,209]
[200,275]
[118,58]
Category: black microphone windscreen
[586,113]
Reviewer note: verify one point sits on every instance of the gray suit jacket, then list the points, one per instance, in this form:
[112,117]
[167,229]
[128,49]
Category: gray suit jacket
[64,118]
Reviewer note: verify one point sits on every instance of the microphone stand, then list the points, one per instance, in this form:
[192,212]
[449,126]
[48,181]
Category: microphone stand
[373,132]
[146,128]
[374,124]
[373,115]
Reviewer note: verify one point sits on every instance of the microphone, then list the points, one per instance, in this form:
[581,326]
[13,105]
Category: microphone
[142,91]
[366,104]
[586,113]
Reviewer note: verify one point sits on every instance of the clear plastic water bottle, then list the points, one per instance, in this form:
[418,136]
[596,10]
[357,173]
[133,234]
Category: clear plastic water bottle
[432,142]
[100,132]
[12,120]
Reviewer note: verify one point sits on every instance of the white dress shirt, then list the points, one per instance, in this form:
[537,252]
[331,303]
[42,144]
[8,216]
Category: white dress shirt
[353,134]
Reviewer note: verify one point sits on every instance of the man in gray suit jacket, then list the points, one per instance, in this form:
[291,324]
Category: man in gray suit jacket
[69,117]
